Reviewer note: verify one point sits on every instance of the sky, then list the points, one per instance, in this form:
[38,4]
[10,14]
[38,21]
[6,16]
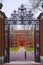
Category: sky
[10,5]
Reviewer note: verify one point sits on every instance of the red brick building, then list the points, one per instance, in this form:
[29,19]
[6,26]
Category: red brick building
[21,38]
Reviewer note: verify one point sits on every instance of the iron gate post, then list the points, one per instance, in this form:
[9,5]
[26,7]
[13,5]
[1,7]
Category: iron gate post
[6,57]
[37,44]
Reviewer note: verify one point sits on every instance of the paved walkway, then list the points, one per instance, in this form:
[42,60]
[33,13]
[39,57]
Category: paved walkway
[24,63]
[20,55]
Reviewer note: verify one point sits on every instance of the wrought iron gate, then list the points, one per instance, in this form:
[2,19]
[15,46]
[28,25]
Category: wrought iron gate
[23,17]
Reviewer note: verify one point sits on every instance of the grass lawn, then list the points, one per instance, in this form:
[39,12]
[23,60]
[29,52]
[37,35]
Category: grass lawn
[14,48]
[29,48]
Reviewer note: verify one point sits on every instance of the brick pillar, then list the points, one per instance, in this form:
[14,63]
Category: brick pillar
[2,33]
[41,37]
[41,33]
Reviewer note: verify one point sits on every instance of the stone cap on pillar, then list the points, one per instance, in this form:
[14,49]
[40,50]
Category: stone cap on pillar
[2,15]
[40,17]
[1,5]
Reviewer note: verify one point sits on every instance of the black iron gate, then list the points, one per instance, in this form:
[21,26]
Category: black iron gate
[25,18]
[36,46]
